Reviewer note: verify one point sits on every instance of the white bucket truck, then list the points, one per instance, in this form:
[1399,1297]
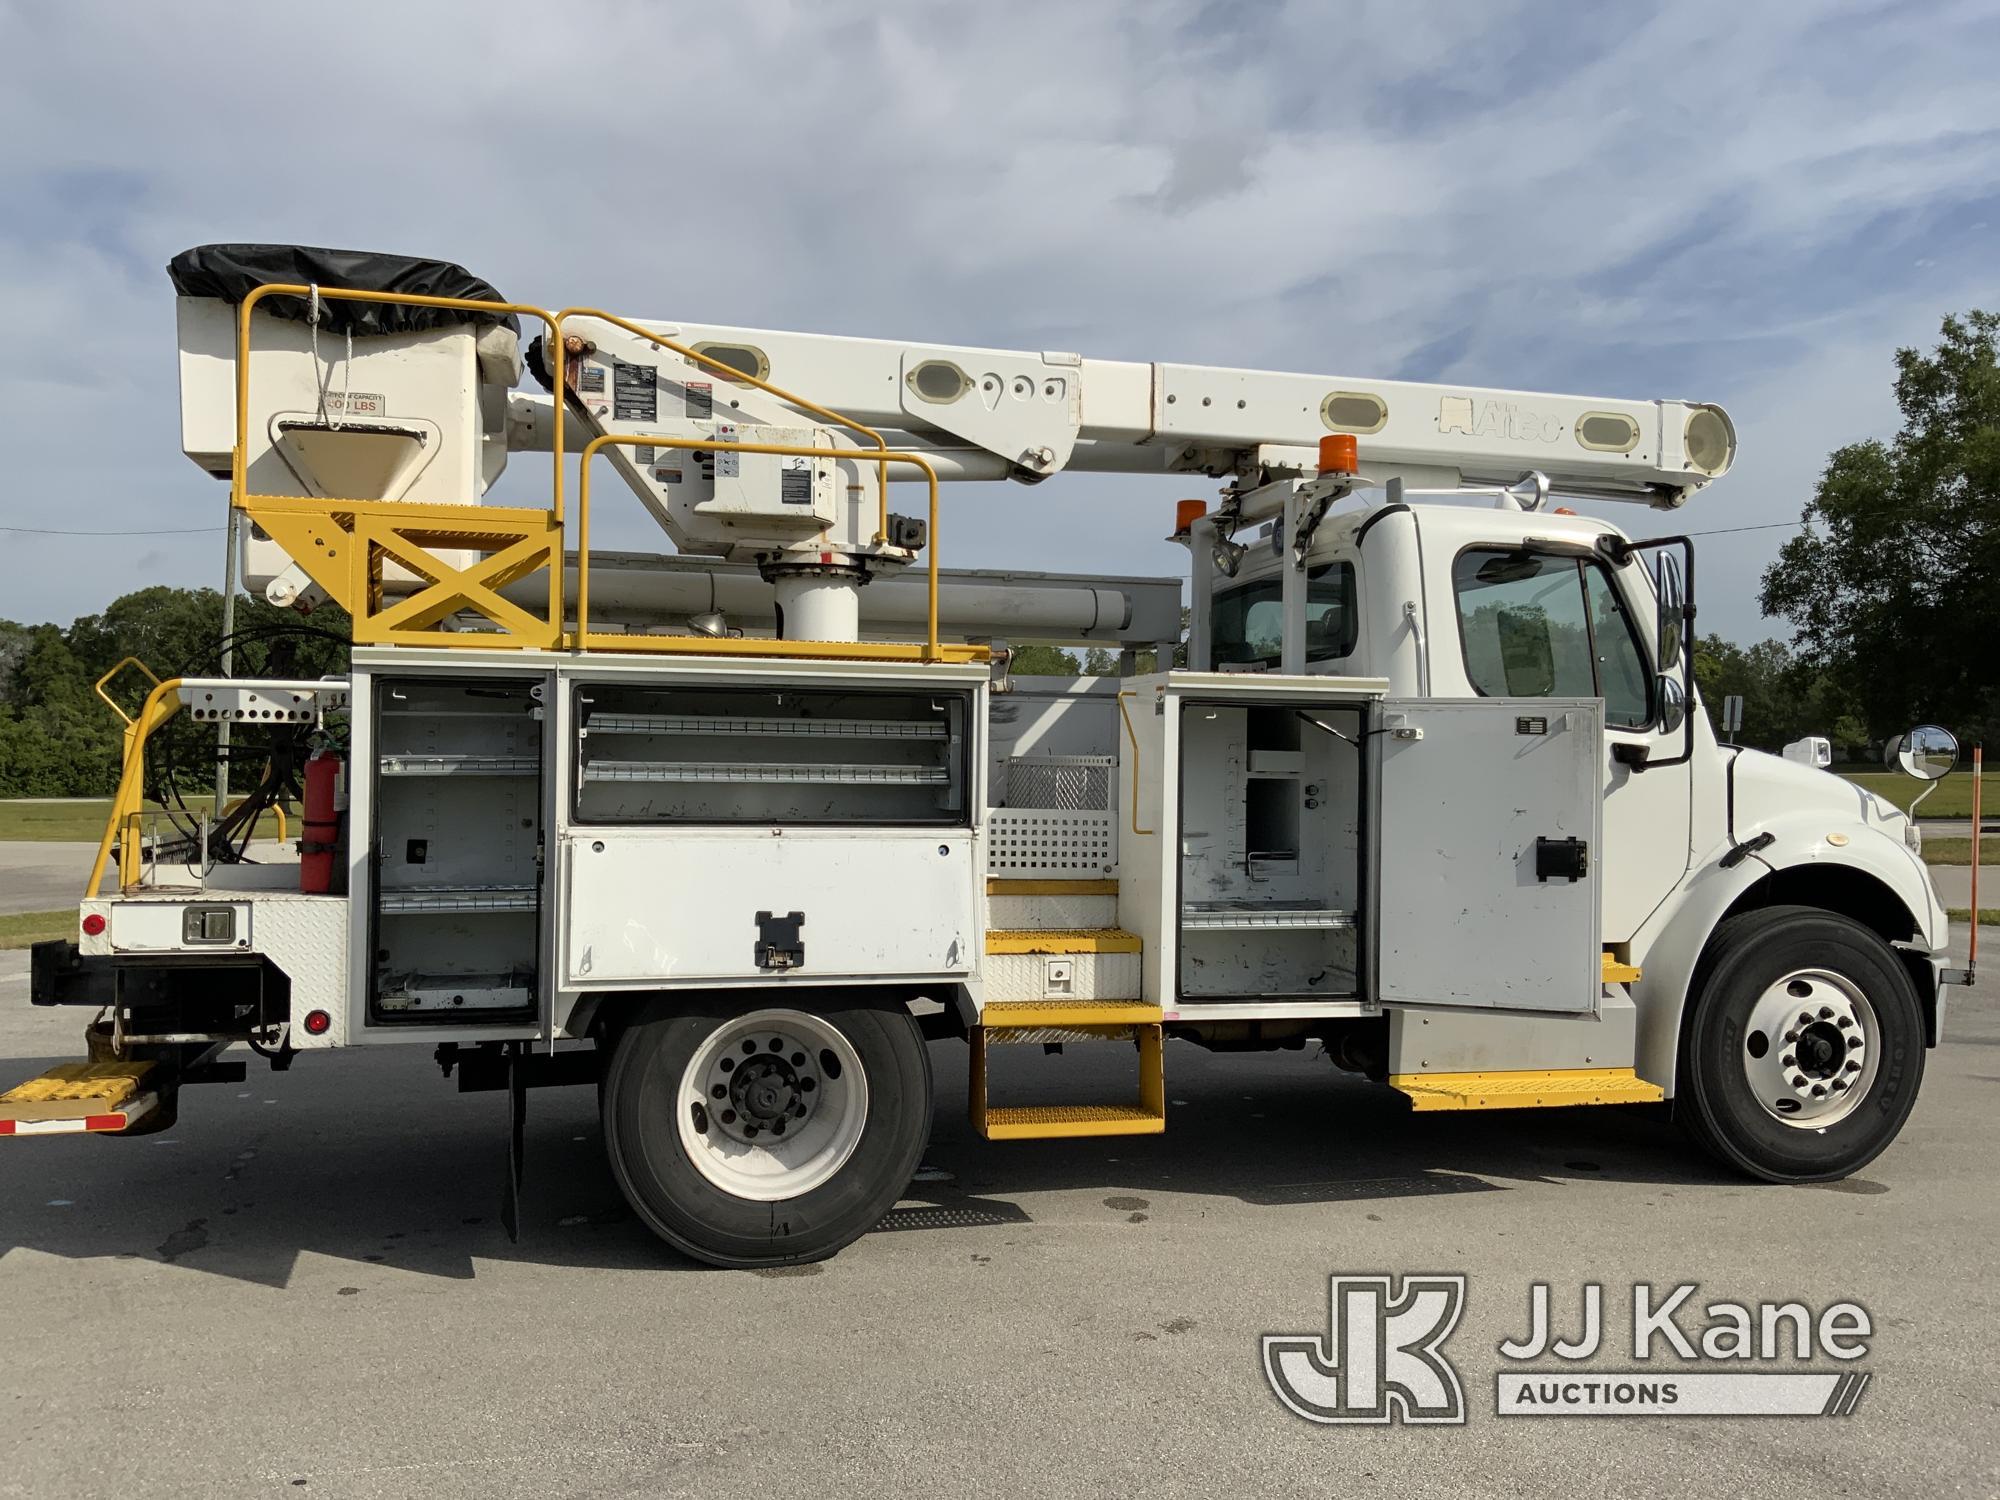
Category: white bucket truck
[732,832]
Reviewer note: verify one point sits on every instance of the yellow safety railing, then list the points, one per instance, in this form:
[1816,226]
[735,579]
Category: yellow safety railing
[344,543]
[122,827]
[931,650]
[731,373]
[238,495]
[1132,735]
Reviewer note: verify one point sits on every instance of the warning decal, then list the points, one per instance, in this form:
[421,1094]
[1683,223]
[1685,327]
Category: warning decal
[700,400]
[635,393]
[795,483]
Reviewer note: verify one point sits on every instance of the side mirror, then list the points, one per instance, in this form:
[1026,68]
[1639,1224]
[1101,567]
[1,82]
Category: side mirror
[1671,610]
[1673,703]
[1926,752]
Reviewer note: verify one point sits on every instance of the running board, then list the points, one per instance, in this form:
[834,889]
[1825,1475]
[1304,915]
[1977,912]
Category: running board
[101,1098]
[1052,1022]
[1528,1090]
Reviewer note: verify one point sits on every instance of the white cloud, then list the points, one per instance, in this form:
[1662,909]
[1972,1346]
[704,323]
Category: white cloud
[1723,201]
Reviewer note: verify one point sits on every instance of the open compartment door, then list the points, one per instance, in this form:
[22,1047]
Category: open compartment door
[1486,838]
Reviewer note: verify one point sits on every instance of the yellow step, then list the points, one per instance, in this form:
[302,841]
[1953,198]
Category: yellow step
[997,886]
[1526,1090]
[1619,973]
[1079,940]
[1003,1015]
[1038,1122]
[1022,1019]
[99,1096]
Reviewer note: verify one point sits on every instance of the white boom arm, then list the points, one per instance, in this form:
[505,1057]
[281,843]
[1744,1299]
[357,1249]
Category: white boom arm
[992,413]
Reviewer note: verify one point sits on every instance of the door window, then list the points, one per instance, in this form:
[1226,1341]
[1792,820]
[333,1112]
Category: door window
[1547,625]
[1249,622]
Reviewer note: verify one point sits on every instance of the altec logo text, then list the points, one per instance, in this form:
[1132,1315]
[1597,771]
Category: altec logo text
[1382,1358]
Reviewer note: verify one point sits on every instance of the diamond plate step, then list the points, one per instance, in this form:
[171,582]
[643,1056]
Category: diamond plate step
[1526,1090]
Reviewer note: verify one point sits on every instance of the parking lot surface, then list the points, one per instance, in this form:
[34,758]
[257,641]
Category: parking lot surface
[304,1288]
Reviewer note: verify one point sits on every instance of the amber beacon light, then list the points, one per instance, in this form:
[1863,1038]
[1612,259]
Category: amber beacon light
[1339,453]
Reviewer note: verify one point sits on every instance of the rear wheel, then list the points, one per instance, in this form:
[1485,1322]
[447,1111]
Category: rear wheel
[1804,1047]
[760,1135]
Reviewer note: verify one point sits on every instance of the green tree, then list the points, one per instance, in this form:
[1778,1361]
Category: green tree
[1890,588]
[1042,661]
[57,739]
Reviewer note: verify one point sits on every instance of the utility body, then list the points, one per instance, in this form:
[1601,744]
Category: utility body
[733,831]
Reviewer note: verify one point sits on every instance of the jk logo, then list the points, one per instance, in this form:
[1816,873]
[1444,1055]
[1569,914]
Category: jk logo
[1379,1360]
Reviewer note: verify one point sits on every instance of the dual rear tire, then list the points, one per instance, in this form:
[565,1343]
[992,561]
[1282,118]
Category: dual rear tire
[755,1135]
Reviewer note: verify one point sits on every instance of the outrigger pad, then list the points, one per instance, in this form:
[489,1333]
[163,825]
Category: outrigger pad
[231,272]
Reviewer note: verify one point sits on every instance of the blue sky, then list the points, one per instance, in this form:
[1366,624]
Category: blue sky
[1745,203]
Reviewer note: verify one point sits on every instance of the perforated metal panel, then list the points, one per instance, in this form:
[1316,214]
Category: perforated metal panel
[1047,843]
[1068,782]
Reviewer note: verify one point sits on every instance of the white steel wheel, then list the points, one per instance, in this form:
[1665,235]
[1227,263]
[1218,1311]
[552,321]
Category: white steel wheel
[772,1104]
[1811,1048]
[1803,1045]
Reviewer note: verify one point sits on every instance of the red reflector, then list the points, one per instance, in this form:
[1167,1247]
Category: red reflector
[318,1023]
[93,924]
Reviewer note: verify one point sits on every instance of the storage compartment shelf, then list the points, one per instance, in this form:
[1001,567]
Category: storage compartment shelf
[438,898]
[766,771]
[461,765]
[1234,916]
[707,724]
[450,994]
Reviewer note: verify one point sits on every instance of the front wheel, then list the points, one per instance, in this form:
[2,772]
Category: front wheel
[1804,1046]
[756,1135]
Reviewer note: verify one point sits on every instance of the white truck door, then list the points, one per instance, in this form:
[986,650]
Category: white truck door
[1486,838]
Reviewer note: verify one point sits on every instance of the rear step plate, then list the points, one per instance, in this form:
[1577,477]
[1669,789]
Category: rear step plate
[97,1097]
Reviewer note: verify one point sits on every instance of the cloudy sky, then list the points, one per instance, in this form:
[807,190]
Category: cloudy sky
[1744,202]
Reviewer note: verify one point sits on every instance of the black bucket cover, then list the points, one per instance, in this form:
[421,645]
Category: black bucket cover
[231,272]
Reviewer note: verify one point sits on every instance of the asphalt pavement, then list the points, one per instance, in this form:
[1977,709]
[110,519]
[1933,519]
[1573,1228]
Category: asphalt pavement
[304,1288]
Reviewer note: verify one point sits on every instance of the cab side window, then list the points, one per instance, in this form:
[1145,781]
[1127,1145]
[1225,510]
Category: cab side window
[1544,625]
[1249,622]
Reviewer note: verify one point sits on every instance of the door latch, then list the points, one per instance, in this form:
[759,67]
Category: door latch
[779,943]
[1561,859]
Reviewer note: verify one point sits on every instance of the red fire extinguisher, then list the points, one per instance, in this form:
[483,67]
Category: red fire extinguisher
[320,868]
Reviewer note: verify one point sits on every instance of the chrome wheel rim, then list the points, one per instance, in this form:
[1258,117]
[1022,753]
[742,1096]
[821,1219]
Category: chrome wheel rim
[1811,1048]
[772,1105]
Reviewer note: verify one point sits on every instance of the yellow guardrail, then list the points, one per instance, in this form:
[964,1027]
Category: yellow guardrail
[1133,735]
[122,827]
[731,373]
[344,543]
[931,650]
[238,495]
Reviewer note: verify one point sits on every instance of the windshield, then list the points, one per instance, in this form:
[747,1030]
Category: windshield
[1249,621]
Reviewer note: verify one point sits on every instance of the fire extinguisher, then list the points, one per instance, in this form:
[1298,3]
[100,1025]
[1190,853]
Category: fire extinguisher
[321,871]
